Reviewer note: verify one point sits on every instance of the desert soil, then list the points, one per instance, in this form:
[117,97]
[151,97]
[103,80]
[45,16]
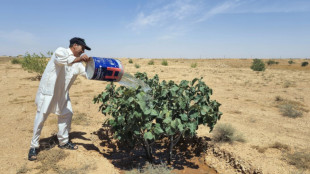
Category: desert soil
[248,101]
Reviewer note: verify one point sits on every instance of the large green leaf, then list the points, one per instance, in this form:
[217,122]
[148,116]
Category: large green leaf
[148,136]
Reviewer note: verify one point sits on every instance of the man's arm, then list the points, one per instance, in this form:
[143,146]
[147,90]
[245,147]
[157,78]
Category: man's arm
[84,58]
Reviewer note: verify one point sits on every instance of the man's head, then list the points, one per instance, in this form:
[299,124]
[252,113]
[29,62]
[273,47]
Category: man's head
[77,46]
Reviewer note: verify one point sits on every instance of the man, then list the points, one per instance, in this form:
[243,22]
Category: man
[53,92]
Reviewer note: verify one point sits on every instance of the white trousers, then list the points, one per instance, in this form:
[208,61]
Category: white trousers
[64,126]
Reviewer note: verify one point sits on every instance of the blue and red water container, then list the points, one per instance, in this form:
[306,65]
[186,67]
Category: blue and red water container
[105,69]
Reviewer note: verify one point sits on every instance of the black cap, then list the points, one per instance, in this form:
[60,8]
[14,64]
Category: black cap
[79,41]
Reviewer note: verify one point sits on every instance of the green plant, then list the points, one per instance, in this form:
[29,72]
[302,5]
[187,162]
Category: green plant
[226,133]
[291,62]
[151,62]
[16,61]
[258,65]
[167,112]
[304,63]
[34,63]
[271,62]
[164,62]
[137,65]
[194,65]
[130,61]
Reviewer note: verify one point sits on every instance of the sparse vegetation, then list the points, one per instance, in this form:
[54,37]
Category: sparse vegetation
[35,63]
[137,65]
[194,65]
[260,149]
[288,84]
[291,62]
[152,169]
[17,61]
[22,169]
[226,133]
[49,160]
[304,64]
[164,62]
[272,62]
[280,146]
[130,61]
[151,62]
[301,160]
[290,111]
[258,65]
[80,119]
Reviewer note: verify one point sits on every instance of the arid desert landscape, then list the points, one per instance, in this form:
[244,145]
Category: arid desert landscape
[251,102]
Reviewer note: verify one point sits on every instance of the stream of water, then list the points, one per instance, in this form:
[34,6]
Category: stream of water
[130,81]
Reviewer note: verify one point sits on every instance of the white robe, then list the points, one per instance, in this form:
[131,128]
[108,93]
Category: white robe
[58,77]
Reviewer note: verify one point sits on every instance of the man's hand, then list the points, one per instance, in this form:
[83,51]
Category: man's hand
[85,58]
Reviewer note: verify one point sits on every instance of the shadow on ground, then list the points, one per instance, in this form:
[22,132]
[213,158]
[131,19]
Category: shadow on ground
[125,158]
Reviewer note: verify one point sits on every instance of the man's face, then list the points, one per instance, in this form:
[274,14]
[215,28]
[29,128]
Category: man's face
[78,50]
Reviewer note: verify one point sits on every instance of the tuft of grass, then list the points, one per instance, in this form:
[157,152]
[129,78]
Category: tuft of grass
[22,169]
[85,168]
[137,65]
[80,119]
[194,65]
[280,146]
[130,61]
[260,149]
[278,98]
[300,160]
[49,160]
[289,110]
[151,62]
[164,62]
[226,133]
[288,84]
[152,169]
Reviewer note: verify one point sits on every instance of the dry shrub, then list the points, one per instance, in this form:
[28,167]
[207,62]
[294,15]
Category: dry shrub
[152,169]
[80,119]
[300,160]
[226,133]
[49,160]
[260,149]
[194,65]
[151,62]
[290,111]
[22,169]
[85,168]
[280,146]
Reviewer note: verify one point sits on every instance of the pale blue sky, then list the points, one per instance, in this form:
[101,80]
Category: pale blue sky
[159,28]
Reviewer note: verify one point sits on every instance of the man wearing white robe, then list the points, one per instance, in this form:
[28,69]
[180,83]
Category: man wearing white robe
[53,93]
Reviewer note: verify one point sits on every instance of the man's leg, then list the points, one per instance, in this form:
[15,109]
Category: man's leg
[64,126]
[37,128]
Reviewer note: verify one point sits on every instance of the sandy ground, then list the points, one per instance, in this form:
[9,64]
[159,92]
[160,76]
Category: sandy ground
[248,101]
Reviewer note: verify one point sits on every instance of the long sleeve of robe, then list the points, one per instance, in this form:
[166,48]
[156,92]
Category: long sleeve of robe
[58,77]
